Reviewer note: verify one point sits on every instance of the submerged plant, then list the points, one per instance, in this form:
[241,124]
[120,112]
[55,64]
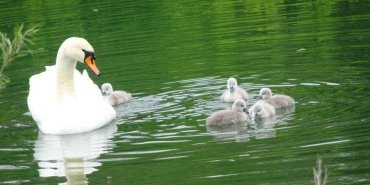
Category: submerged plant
[318,173]
[16,48]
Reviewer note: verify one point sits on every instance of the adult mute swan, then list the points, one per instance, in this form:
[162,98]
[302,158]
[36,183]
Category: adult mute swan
[114,97]
[237,114]
[233,91]
[64,101]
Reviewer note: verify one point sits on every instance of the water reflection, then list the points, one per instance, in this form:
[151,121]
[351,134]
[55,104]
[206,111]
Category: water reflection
[264,129]
[72,156]
[237,132]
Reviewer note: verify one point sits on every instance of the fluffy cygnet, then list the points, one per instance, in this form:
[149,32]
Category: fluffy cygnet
[236,115]
[276,100]
[233,91]
[114,97]
[261,109]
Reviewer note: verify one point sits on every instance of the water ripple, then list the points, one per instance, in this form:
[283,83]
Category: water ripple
[12,167]
[143,152]
[325,143]
[160,142]
[220,176]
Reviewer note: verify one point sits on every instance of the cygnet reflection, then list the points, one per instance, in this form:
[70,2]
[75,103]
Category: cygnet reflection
[236,132]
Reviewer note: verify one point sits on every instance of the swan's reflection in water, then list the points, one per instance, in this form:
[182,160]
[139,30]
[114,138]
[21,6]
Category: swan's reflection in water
[73,156]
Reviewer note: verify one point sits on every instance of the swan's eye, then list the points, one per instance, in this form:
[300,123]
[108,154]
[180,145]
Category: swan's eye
[89,60]
[89,53]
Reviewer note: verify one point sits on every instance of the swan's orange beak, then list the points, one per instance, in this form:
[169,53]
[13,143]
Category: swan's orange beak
[90,61]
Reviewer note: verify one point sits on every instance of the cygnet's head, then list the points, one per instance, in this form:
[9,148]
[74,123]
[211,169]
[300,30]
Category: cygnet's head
[256,111]
[239,105]
[106,89]
[232,84]
[265,93]
[79,50]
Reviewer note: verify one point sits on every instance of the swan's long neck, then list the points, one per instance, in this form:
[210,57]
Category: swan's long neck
[65,75]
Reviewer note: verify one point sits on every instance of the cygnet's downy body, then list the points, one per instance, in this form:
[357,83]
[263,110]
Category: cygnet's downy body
[234,92]
[237,114]
[276,100]
[114,97]
[260,110]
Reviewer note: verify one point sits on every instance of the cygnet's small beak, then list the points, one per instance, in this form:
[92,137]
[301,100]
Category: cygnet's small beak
[246,110]
[90,61]
[232,89]
[251,117]
[259,97]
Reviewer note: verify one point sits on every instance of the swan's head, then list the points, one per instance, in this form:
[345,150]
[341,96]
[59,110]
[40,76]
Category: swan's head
[79,49]
[232,84]
[265,93]
[239,105]
[106,89]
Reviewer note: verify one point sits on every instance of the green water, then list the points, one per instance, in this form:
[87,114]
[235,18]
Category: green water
[175,57]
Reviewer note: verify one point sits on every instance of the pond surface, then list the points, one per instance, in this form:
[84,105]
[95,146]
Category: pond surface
[175,58]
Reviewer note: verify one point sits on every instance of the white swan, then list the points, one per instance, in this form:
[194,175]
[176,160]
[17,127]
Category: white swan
[233,91]
[261,109]
[237,114]
[62,100]
[114,97]
[276,100]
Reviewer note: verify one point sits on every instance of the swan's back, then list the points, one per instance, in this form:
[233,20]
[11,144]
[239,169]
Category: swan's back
[243,93]
[118,97]
[226,117]
[277,100]
[281,101]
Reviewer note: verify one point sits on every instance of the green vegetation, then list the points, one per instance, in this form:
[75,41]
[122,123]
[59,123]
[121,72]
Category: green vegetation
[16,48]
[318,173]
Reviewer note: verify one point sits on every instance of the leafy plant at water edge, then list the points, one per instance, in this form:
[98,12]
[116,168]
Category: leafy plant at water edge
[16,48]
[318,172]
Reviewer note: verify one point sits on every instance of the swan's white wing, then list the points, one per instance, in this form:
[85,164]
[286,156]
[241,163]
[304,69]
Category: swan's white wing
[42,94]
